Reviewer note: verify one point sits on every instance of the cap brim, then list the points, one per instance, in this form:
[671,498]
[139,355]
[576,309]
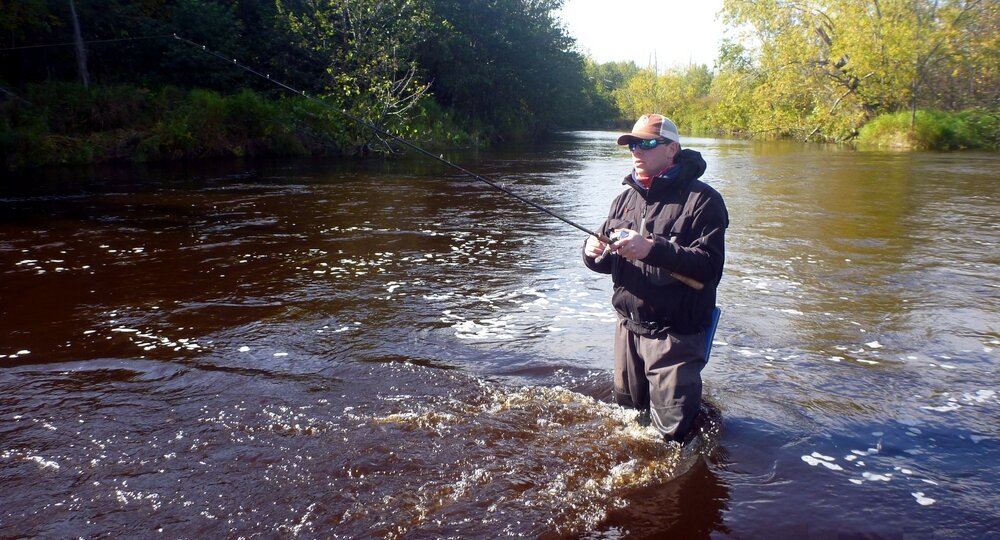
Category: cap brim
[628,138]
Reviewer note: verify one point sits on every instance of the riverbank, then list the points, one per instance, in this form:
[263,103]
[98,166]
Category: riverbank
[976,129]
[64,124]
[59,124]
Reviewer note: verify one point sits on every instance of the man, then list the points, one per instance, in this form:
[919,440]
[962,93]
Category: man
[669,230]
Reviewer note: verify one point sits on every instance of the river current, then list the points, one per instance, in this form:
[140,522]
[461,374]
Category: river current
[389,349]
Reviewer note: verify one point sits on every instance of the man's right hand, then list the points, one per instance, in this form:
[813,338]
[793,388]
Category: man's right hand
[594,247]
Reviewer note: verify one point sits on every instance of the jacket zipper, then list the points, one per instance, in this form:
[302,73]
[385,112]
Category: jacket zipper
[642,232]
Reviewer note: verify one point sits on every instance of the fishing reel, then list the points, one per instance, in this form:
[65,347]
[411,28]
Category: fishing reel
[620,235]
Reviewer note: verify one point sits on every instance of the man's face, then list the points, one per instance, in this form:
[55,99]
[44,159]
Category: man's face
[652,161]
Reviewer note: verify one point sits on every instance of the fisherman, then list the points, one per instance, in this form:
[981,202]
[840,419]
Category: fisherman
[669,238]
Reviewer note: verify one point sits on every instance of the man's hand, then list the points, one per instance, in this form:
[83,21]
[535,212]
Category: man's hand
[594,247]
[632,246]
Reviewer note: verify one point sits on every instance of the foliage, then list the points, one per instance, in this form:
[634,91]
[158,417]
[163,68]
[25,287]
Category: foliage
[365,45]
[68,124]
[506,65]
[681,94]
[823,68]
[65,123]
[933,130]
[606,79]
[467,72]
[21,18]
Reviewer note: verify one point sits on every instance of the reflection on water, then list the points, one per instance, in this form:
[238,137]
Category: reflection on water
[388,349]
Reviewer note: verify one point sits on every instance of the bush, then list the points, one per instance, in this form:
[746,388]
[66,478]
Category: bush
[933,130]
[64,123]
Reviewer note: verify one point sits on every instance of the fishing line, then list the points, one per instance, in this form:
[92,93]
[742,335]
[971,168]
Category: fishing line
[22,47]
[384,133]
[697,285]
[439,158]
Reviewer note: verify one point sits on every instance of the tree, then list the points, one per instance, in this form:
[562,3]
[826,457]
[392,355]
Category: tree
[825,67]
[680,93]
[605,79]
[367,46]
[81,52]
[505,64]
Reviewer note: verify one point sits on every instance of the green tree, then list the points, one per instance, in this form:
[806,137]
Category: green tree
[20,21]
[825,67]
[606,79]
[731,94]
[680,93]
[507,65]
[367,46]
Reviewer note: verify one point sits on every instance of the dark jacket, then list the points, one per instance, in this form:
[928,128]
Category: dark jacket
[687,219]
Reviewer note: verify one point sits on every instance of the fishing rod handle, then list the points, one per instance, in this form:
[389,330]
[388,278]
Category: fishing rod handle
[690,282]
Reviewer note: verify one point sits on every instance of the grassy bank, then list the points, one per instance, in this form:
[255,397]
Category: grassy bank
[933,130]
[65,124]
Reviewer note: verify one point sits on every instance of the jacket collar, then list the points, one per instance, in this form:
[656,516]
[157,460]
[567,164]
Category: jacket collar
[688,166]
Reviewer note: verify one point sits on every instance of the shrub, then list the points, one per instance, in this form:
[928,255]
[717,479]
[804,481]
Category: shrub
[933,130]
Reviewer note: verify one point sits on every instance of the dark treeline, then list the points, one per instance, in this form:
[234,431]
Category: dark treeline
[443,71]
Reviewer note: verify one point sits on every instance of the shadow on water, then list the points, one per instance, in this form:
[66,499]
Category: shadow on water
[691,506]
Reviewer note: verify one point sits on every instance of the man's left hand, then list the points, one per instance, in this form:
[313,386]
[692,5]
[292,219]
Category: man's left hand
[632,246]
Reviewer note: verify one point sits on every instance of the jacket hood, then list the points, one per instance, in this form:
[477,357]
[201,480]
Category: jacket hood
[689,166]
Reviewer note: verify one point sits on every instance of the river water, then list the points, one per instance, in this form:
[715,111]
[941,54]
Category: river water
[392,350]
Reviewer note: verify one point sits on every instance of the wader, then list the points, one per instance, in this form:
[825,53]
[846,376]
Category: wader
[661,374]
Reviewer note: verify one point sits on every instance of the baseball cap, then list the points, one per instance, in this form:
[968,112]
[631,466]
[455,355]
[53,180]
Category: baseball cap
[651,126]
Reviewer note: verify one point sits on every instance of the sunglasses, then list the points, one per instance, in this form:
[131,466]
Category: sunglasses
[647,144]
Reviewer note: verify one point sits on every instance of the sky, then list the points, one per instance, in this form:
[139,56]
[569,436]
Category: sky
[670,33]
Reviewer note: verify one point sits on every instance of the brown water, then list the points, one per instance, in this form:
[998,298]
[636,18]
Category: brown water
[390,350]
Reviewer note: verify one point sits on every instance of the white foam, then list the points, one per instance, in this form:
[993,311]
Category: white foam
[44,463]
[944,408]
[819,459]
[921,499]
[877,477]
[874,344]
[981,396]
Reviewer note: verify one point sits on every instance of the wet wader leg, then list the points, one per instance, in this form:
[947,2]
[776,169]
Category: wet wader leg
[630,386]
[673,368]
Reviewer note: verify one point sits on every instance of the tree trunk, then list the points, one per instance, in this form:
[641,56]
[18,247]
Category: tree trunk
[81,54]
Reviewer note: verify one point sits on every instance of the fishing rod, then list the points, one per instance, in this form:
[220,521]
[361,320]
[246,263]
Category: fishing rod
[697,285]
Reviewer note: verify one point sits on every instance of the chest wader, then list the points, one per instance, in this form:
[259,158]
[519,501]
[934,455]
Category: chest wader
[661,374]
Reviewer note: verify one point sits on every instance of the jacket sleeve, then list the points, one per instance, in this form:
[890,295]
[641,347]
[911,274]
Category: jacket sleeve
[703,258]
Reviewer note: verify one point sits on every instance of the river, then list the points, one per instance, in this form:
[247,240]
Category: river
[389,349]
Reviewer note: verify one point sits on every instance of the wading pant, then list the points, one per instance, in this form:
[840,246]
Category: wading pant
[662,374]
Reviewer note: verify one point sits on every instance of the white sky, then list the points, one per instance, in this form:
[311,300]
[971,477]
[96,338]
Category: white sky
[677,32]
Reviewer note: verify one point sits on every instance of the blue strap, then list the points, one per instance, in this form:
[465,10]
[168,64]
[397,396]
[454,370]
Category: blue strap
[710,333]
